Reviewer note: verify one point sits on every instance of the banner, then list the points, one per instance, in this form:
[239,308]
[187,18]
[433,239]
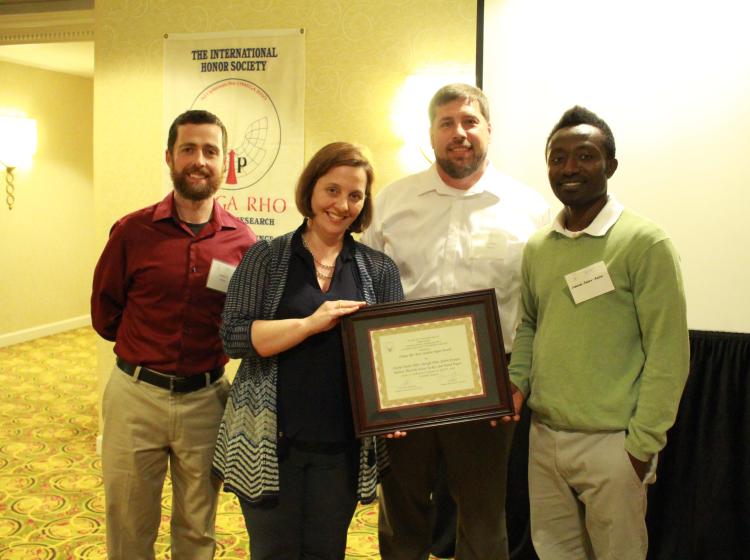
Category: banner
[254,81]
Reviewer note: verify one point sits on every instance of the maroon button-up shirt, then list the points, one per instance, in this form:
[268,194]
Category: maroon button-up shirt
[150,295]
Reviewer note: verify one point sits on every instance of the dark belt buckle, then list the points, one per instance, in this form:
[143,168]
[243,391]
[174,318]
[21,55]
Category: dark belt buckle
[177,384]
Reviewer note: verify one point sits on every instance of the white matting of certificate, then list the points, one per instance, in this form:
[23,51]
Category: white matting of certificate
[426,362]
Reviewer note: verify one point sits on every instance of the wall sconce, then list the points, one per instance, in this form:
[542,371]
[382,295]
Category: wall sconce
[17,146]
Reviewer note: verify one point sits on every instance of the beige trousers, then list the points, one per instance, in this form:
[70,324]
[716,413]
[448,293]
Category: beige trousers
[146,429]
[587,502]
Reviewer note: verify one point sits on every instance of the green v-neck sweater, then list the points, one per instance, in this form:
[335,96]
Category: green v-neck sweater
[618,361]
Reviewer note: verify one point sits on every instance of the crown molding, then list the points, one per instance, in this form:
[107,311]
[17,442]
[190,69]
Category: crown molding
[37,6]
[47,27]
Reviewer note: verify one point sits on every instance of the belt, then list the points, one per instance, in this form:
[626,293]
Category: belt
[175,383]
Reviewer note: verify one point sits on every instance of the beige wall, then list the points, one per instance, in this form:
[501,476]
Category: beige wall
[46,246]
[358,54]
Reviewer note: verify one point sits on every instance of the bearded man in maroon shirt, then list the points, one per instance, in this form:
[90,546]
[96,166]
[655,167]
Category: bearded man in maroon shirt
[158,293]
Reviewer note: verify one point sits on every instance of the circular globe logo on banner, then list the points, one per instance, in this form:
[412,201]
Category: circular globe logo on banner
[253,128]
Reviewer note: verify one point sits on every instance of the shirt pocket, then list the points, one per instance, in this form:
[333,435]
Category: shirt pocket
[495,261]
[486,244]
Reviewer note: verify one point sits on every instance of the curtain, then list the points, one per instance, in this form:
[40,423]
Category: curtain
[699,506]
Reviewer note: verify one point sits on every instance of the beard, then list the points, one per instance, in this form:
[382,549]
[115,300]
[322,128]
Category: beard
[461,170]
[192,191]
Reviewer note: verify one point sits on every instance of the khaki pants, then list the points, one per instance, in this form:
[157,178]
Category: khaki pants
[586,499]
[147,428]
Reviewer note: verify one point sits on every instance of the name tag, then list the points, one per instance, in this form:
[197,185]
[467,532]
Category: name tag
[219,275]
[589,282]
[486,244]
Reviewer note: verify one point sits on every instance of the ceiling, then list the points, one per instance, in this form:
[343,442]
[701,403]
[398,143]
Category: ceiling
[37,6]
[69,20]
[70,58]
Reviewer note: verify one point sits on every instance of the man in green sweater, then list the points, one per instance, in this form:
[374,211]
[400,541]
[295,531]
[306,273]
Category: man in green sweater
[601,356]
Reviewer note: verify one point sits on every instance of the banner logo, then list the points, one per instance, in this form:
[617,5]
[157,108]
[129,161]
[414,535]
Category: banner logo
[255,133]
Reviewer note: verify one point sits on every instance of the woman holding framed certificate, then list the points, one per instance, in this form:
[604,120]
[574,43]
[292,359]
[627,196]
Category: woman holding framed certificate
[286,444]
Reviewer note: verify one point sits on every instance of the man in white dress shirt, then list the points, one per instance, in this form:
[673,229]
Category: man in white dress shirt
[459,225]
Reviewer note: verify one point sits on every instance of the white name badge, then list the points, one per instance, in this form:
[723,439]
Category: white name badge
[487,244]
[589,282]
[219,275]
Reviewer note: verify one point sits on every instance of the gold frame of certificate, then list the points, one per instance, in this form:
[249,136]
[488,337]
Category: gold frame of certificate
[426,362]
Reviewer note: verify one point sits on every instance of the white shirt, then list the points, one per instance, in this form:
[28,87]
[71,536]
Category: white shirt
[446,240]
[605,219]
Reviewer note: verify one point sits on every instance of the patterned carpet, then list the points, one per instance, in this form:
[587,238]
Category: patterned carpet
[51,497]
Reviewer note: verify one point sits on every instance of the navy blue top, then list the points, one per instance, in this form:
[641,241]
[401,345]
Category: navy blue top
[313,395]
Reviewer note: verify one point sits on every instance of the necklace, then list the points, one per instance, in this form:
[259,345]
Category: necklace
[322,271]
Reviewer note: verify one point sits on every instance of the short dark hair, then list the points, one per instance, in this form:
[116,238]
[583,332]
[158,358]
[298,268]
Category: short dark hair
[329,156]
[196,116]
[580,115]
[451,92]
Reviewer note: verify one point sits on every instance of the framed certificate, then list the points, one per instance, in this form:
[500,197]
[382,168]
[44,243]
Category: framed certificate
[426,362]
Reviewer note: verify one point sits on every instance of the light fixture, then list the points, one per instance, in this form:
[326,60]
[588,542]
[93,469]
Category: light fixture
[409,112]
[17,146]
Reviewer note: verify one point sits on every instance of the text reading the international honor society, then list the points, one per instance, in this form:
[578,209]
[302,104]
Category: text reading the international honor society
[234,60]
